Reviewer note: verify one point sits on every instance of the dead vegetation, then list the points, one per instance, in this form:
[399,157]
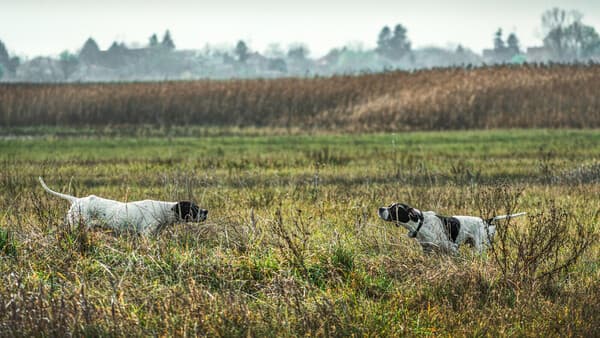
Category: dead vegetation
[495,97]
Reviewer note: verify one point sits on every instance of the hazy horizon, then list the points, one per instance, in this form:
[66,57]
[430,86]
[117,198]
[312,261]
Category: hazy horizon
[39,27]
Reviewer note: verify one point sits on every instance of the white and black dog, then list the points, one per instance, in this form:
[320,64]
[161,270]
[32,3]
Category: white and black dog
[143,217]
[442,233]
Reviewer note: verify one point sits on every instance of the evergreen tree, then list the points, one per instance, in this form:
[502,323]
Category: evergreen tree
[393,45]
[90,52]
[117,48]
[3,54]
[383,41]
[298,52]
[167,41]
[242,51]
[13,64]
[399,43]
[153,41]
[7,64]
[498,42]
[513,43]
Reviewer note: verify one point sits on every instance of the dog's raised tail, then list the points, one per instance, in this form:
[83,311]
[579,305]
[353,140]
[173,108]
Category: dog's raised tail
[497,218]
[67,197]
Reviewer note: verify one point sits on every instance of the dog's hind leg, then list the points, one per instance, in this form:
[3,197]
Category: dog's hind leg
[489,233]
[443,247]
[428,248]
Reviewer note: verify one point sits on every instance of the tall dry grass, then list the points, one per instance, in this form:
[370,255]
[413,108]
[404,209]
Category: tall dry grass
[495,97]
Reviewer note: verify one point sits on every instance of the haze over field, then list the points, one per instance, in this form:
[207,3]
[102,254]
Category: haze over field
[43,41]
[39,27]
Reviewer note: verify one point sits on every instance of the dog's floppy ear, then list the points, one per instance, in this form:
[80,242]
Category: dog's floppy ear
[185,210]
[415,214]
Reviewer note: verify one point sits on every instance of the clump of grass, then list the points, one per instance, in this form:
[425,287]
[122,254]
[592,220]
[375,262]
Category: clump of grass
[8,243]
[550,243]
[293,240]
[583,174]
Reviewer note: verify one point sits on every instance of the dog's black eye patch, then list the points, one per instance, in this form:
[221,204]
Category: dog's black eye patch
[186,210]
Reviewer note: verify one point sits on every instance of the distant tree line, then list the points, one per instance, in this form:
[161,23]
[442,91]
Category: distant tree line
[566,39]
[8,65]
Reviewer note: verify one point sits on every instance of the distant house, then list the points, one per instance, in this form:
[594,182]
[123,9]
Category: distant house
[257,61]
[539,54]
[118,54]
[40,69]
[499,55]
[331,58]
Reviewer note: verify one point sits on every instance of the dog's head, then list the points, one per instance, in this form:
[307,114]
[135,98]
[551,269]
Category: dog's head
[400,213]
[189,211]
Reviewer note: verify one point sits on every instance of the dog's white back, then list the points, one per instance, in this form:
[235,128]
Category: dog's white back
[434,234]
[443,233]
[143,217]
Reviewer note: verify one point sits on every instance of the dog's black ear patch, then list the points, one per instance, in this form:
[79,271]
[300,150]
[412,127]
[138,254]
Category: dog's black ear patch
[186,210]
[399,212]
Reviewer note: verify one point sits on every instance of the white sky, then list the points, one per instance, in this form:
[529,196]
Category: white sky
[44,27]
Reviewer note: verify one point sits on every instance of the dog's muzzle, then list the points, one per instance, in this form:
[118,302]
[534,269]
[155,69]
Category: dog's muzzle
[202,214]
[384,213]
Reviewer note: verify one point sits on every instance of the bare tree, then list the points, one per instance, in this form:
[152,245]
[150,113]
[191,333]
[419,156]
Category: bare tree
[567,37]
[582,41]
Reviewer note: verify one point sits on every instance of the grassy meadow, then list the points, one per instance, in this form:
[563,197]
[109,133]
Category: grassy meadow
[292,245]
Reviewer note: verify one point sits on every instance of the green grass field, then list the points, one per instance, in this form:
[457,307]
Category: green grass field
[292,245]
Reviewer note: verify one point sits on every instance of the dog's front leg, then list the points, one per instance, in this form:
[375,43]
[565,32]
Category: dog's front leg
[453,248]
[449,247]
[478,241]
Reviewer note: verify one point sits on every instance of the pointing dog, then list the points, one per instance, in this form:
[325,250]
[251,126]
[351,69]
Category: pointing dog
[442,233]
[143,217]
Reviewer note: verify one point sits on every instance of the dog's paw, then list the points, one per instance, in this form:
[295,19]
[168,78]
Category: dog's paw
[454,248]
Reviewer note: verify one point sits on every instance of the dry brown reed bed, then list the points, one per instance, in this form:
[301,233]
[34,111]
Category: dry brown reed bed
[494,97]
